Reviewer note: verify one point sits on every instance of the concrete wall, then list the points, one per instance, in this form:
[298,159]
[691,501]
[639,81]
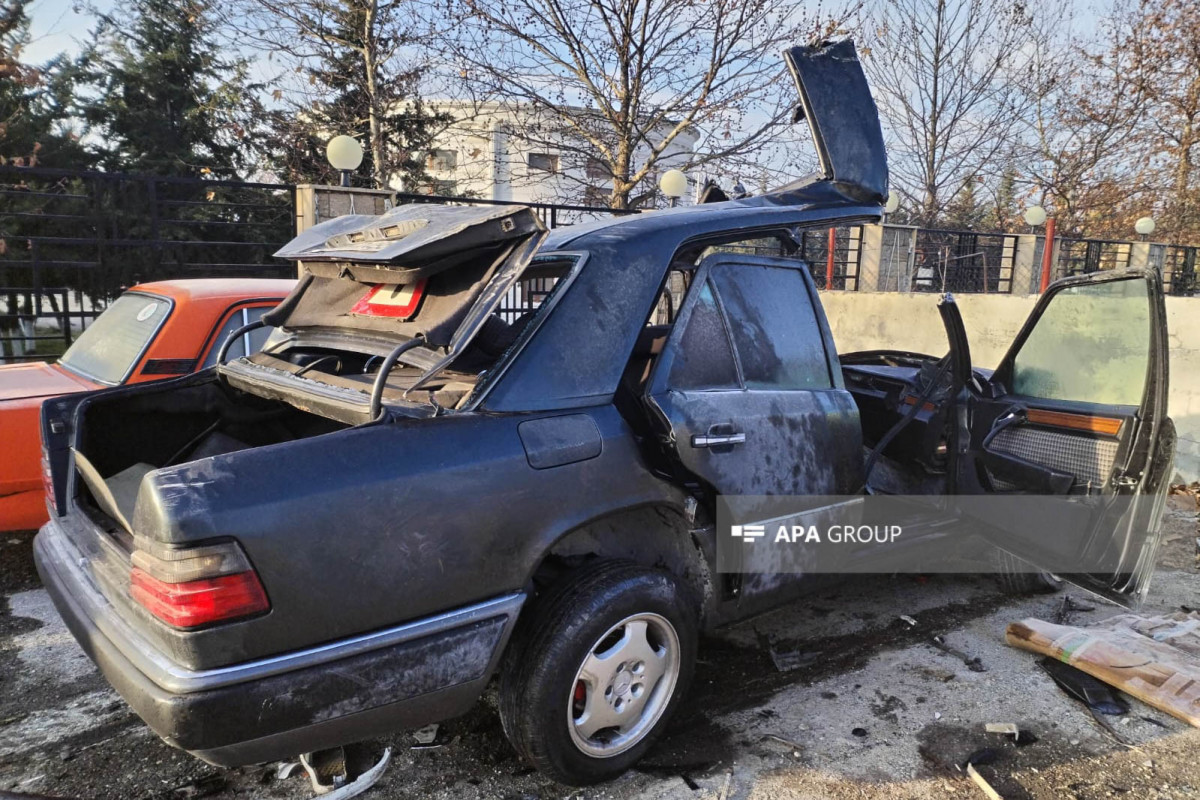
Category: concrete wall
[869,321]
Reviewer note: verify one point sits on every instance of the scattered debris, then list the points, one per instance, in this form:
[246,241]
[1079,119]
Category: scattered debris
[786,742]
[1155,659]
[984,786]
[287,769]
[724,794]
[1068,607]
[973,664]
[1019,736]
[426,736]
[786,660]
[1077,683]
[364,781]
[337,777]
[1157,722]
[906,618]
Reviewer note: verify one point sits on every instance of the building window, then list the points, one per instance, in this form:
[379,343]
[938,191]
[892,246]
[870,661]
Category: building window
[597,168]
[545,162]
[441,160]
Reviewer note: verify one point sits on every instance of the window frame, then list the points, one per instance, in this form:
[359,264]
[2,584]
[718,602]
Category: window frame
[213,343]
[660,379]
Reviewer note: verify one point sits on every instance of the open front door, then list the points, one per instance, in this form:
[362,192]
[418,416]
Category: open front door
[1070,447]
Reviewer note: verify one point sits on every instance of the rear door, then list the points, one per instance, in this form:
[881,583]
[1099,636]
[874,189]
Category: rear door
[750,404]
[749,384]
[1070,448]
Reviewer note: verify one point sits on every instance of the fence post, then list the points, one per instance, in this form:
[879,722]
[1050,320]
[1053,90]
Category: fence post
[1023,260]
[870,259]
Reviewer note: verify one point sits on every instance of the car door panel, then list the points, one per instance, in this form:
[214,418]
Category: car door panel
[771,418]
[1077,411]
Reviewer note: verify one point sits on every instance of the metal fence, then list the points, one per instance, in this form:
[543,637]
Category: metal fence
[962,261]
[1084,256]
[72,241]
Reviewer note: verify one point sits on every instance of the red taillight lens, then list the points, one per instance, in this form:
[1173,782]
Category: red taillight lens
[199,602]
[191,586]
[48,483]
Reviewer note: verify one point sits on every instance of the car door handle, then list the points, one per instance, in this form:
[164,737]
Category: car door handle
[717,439]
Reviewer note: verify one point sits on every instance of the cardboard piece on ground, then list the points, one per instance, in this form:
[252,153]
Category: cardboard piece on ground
[1155,659]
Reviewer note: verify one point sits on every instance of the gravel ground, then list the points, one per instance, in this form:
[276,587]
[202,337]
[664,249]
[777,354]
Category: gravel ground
[749,730]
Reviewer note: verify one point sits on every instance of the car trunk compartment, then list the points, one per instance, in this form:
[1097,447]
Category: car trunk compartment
[121,439]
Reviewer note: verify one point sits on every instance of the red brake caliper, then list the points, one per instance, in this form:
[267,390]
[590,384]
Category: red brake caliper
[580,696]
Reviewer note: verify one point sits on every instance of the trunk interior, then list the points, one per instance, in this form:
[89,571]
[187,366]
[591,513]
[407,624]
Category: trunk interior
[121,439]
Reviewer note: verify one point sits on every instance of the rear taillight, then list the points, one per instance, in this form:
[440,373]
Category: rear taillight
[193,586]
[48,483]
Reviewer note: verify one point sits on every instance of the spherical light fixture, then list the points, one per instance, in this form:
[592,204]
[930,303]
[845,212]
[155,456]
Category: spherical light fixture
[893,203]
[1035,215]
[1145,226]
[673,184]
[344,154]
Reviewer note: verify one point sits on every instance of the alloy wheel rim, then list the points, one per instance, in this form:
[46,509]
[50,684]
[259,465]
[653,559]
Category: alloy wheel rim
[624,685]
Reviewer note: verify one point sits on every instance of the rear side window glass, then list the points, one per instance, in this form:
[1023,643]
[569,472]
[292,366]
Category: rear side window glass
[704,359]
[109,348]
[237,319]
[774,327]
[1091,344]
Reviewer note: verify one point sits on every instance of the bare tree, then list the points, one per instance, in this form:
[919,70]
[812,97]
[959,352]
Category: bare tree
[614,86]
[1086,103]
[941,73]
[1171,71]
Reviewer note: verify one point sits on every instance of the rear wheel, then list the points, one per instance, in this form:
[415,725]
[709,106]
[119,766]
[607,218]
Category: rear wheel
[596,671]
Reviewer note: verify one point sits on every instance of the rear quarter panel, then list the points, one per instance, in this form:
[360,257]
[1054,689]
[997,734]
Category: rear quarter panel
[22,500]
[373,526]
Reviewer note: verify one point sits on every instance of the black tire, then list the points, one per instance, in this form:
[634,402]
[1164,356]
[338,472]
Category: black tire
[1017,577]
[538,688]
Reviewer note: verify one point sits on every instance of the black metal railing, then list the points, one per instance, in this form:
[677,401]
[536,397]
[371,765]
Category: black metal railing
[962,261]
[1084,256]
[71,241]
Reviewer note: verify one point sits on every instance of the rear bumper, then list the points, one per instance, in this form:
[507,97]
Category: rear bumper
[274,708]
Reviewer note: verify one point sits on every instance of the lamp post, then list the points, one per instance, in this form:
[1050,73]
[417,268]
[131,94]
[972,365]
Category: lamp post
[344,154]
[1144,227]
[673,184]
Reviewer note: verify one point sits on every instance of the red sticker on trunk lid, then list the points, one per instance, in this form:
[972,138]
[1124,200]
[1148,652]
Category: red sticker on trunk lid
[391,300]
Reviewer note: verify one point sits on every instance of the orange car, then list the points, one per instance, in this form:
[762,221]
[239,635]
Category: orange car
[153,331]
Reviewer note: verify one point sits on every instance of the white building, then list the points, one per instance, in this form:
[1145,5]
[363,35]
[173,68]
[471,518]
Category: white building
[496,151]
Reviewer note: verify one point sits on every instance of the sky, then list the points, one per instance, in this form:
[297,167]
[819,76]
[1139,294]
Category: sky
[58,26]
[62,25]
